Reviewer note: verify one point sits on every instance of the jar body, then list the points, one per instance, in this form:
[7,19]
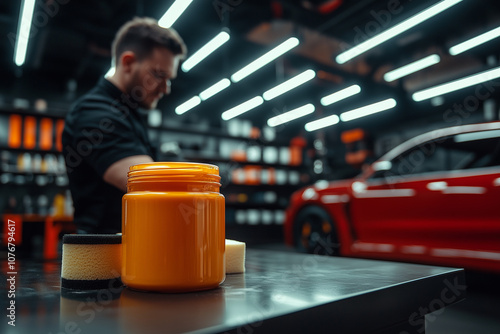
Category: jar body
[173,238]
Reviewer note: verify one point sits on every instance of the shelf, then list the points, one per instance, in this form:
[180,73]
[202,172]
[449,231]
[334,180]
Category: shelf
[264,206]
[239,163]
[262,187]
[255,234]
[25,150]
[29,180]
[214,133]
[33,185]
[33,218]
[31,112]
[34,173]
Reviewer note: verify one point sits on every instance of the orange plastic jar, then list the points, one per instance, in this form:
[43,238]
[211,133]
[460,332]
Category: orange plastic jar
[173,227]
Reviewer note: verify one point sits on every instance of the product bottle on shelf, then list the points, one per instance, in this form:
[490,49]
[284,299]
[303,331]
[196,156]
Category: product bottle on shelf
[68,204]
[43,203]
[20,163]
[37,163]
[58,206]
[28,204]
[27,165]
[43,165]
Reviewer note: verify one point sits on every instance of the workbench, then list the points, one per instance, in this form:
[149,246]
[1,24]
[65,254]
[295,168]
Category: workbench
[280,292]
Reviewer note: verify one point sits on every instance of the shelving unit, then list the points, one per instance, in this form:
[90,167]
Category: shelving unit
[244,178]
[256,190]
[34,184]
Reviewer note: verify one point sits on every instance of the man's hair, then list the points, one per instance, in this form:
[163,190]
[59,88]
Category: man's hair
[142,35]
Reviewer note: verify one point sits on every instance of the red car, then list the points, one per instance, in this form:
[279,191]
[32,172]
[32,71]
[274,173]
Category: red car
[433,199]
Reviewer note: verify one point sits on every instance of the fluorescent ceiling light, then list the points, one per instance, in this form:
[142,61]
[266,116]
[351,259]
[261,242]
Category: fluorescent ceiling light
[173,13]
[412,68]
[242,108]
[23,31]
[265,59]
[340,95]
[291,115]
[214,89]
[205,51]
[476,41]
[394,31]
[289,85]
[476,136]
[110,72]
[189,104]
[456,85]
[368,110]
[322,123]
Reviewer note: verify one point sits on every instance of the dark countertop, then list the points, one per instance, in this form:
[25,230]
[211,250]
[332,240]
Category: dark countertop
[280,292]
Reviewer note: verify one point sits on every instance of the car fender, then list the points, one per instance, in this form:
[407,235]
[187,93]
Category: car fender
[334,198]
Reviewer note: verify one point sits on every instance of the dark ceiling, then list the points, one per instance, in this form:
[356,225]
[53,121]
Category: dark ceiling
[70,48]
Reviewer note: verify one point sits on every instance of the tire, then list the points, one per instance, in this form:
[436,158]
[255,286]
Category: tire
[315,232]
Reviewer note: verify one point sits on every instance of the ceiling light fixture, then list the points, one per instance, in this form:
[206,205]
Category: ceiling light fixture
[456,85]
[173,13]
[205,51]
[322,123]
[476,41]
[23,31]
[340,95]
[166,21]
[289,85]
[368,110]
[110,72]
[265,59]
[242,108]
[188,105]
[291,115]
[214,89]
[394,31]
[412,68]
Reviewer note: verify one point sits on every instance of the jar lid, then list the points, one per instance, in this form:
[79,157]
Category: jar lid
[181,171]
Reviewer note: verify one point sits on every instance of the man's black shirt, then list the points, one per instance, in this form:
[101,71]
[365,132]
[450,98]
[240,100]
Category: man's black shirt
[103,126]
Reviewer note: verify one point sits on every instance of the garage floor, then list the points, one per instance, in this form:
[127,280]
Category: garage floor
[478,314]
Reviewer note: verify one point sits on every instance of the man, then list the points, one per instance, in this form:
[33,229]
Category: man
[104,132]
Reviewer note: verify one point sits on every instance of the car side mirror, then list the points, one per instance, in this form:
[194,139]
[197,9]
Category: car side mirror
[380,169]
[382,166]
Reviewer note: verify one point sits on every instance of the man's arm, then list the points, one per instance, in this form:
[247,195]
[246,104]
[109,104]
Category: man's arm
[116,174]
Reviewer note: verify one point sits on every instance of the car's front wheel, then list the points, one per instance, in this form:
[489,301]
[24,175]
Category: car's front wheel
[315,232]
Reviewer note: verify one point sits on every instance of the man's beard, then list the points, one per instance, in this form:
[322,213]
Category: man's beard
[139,94]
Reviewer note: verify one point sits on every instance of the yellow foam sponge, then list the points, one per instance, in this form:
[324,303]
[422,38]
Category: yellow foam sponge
[235,256]
[91,261]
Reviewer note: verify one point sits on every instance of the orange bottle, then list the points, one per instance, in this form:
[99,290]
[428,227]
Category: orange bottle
[15,126]
[173,227]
